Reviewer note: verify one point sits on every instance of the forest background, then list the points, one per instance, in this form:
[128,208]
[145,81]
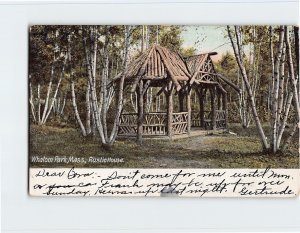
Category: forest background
[70,68]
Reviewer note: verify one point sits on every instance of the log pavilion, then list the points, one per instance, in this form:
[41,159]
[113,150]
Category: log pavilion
[174,77]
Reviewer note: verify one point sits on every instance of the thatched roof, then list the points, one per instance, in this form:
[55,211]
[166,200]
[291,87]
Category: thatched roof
[158,63]
[195,63]
[201,65]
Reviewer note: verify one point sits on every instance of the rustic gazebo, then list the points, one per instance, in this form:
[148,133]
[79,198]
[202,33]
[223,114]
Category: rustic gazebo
[206,81]
[174,75]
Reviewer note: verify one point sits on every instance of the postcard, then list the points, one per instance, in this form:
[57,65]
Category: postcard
[164,110]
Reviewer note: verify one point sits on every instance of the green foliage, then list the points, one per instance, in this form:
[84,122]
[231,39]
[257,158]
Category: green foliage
[257,61]
[228,62]
[187,52]
[170,37]
[49,45]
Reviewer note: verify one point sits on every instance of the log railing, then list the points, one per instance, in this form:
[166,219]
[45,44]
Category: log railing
[207,120]
[154,123]
[179,123]
[128,124]
[220,119]
[196,119]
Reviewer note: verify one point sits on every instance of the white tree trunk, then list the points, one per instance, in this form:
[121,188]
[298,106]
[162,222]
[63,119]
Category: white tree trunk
[31,102]
[56,91]
[272,64]
[289,138]
[248,87]
[61,111]
[285,117]
[48,94]
[133,101]
[294,84]
[39,103]
[294,81]
[276,91]
[83,131]
[103,94]
[121,86]
[281,92]
[88,110]
[149,97]
[91,60]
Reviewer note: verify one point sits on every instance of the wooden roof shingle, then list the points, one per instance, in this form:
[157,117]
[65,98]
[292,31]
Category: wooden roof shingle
[158,63]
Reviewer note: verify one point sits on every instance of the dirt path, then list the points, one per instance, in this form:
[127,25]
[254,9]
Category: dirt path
[193,146]
[201,143]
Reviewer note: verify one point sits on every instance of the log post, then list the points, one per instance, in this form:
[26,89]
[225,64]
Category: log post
[116,99]
[189,110]
[213,108]
[225,109]
[181,101]
[201,102]
[140,113]
[169,97]
[145,92]
[219,95]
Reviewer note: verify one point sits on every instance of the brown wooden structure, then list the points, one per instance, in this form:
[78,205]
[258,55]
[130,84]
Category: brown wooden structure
[175,76]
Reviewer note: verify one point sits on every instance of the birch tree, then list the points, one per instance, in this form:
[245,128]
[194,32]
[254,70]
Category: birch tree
[294,80]
[51,47]
[84,130]
[275,90]
[100,104]
[236,45]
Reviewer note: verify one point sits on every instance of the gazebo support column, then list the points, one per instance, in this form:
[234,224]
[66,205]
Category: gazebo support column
[213,108]
[201,102]
[181,101]
[169,97]
[225,109]
[219,96]
[189,110]
[140,113]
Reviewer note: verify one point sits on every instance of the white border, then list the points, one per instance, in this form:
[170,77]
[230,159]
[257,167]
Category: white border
[22,213]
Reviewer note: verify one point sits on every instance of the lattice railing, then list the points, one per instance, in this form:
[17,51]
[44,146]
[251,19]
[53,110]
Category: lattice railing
[180,122]
[196,119]
[207,120]
[154,123]
[128,124]
[221,119]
